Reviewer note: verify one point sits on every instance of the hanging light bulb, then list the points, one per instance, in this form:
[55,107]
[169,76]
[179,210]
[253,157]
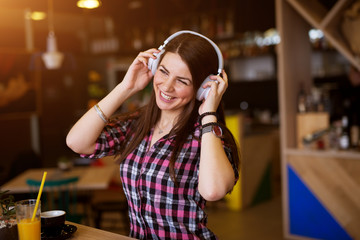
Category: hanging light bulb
[89,4]
[52,57]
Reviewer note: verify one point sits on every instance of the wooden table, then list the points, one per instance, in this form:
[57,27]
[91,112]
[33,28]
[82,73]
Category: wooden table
[90,177]
[88,233]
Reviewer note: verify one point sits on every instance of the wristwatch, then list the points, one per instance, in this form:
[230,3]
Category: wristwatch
[212,127]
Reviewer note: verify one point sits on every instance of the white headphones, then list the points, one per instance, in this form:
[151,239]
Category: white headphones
[153,63]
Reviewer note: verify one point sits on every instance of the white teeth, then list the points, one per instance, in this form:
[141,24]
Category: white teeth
[165,96]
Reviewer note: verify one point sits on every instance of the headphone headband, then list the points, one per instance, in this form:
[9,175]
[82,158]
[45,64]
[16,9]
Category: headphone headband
[218,52]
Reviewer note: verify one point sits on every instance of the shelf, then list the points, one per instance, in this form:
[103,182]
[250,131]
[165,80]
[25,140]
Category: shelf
[324,154]
[313,170]
[335,14]
[328,22]
[313,11]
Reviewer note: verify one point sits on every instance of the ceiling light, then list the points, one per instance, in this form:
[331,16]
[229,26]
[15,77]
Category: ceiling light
[37,16]
[135,4]
[52,57]
[89,4]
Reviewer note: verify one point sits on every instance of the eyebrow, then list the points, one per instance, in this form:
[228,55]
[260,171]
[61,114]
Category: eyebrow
[182,78]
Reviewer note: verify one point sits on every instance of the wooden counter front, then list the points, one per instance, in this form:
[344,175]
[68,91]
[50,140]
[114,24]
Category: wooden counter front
[332,183]
[89,233]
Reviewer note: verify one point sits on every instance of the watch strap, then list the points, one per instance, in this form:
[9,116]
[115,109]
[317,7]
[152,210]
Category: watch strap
[209,127]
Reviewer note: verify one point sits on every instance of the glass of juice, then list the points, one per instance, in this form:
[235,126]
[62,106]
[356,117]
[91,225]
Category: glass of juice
[28,229]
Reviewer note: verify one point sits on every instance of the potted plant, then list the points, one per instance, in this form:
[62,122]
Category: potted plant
[8,226]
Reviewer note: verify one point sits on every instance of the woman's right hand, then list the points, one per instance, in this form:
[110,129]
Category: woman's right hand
[83,135]
[138,75]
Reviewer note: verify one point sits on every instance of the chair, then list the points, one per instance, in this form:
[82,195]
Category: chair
[58,194]
[111,201]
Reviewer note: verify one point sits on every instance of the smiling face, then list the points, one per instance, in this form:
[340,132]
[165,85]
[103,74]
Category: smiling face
[173,84]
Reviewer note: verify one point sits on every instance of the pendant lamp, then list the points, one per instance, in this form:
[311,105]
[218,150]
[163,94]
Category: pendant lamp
[88,4]
[52,57]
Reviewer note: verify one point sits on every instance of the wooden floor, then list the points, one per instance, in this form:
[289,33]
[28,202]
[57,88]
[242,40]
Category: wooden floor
[263,221]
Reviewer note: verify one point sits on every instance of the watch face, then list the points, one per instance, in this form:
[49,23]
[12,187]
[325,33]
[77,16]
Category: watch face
[217,130]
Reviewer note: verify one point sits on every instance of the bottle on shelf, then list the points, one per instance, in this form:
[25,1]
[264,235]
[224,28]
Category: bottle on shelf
[344,140]
[302,100]
[354,134]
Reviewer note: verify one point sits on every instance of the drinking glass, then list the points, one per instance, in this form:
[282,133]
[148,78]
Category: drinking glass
[28,229]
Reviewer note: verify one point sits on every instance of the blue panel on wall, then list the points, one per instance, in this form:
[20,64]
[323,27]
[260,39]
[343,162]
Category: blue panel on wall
[308,217]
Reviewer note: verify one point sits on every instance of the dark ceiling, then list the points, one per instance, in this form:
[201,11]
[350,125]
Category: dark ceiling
[153,13]
[129,17]
[134,10]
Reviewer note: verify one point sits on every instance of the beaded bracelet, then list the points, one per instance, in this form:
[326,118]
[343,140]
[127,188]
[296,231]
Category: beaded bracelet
[207,114]
[101,114]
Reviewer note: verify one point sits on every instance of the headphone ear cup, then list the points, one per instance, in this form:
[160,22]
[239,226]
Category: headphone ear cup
[202,93]
[154,63]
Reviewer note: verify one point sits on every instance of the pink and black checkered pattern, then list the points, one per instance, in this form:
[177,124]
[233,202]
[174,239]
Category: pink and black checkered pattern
[159,209]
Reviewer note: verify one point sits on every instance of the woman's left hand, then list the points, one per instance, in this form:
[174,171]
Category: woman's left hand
[218,88]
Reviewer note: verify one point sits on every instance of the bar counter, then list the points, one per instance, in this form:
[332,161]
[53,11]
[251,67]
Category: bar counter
[89,233]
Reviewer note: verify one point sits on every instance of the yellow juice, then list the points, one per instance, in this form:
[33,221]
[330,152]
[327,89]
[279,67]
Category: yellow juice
[29,230]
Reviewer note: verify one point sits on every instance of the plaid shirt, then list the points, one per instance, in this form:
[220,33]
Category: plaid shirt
[157,208]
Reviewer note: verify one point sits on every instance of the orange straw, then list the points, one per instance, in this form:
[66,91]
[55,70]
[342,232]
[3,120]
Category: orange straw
[38,197]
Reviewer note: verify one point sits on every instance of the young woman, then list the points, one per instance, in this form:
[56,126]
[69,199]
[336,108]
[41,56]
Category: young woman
[175,153]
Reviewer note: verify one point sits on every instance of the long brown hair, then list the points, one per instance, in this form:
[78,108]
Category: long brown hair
[202,60]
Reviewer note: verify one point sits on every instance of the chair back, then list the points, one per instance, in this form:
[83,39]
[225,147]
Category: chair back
[59,194]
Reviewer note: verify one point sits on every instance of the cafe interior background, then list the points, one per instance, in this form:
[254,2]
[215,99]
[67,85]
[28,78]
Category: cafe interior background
[293,107]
